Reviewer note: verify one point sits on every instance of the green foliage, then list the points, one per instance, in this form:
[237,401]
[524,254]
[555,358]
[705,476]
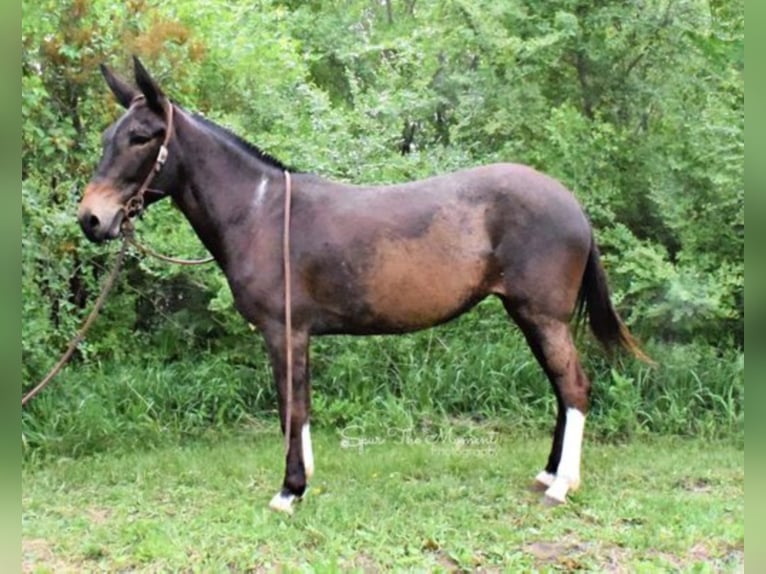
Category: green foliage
[675,302]
[637,108]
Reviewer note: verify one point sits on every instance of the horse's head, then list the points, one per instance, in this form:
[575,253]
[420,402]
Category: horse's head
[134,150]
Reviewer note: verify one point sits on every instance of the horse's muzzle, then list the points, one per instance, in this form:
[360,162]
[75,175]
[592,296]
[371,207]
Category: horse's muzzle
[100,214]
[98,230]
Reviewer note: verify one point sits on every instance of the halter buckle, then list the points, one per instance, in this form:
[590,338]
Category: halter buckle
[162,157]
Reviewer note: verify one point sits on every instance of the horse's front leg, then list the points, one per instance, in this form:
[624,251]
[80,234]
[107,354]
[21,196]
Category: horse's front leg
[299,458]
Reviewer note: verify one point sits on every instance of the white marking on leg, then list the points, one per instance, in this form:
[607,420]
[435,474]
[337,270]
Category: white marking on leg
[568,472]
[545,477]
[283,502]
[308,453]
[260,191]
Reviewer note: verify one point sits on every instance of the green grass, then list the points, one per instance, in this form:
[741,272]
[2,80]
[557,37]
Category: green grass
[478,367]
[454,501]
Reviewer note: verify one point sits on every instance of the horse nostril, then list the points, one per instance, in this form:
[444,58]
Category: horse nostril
[93,222]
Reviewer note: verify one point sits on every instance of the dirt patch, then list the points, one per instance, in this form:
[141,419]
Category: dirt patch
[545,551]
[38,553]
[99,516]
[362,562]
[697,485]
[734,556]
[723,558]
[569,554]
[563,553]
[699,552]
[448,563]
[728,559]
[615,560]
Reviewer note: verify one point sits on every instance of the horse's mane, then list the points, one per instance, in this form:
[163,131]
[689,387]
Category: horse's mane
[242,144]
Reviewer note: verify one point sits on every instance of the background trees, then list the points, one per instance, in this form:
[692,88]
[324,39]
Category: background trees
[638,107]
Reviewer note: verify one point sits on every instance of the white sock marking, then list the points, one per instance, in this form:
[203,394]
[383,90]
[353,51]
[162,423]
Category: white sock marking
[568,473]
[308,453]
[282,502]
[545,477]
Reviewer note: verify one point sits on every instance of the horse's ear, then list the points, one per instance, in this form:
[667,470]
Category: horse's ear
[152,92]
[123,91]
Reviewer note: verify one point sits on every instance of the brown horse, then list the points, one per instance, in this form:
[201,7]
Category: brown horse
[366,259]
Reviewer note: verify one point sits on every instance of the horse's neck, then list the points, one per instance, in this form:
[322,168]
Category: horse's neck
[224,194]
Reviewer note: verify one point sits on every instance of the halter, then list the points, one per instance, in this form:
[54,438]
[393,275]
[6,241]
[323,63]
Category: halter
[135,205]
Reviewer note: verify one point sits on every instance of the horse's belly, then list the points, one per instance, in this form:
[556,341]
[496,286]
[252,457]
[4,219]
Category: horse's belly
[417,282]
[410,294]
[404,280]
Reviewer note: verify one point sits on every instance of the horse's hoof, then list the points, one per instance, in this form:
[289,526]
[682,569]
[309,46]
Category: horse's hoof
[542,481]
[283,501]
[537,486]
[550,501]
[557,492]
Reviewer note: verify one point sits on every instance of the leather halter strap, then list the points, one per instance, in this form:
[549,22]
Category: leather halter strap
[135,205]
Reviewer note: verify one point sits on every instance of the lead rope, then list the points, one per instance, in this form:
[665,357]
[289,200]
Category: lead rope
[134,207]
[288,314]
[128,238]
[131,238]
[84,329]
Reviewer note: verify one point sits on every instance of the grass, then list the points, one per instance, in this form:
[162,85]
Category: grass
[477,366]
[402,501]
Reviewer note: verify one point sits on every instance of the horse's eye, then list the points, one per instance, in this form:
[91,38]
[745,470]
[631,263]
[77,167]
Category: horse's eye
[139,139]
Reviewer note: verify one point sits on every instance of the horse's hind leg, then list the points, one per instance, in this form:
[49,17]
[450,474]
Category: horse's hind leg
[551,341]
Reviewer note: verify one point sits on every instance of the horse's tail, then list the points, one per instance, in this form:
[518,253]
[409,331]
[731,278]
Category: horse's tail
[594,301]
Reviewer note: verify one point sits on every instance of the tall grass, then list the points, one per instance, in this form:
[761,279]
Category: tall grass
[476,368]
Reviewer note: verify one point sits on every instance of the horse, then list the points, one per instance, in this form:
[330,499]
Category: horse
[387,259]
